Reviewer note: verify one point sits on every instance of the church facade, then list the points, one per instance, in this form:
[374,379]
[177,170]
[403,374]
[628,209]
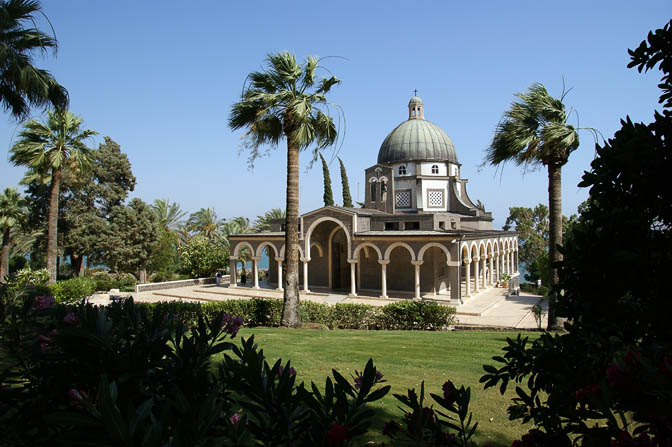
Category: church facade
[419,234]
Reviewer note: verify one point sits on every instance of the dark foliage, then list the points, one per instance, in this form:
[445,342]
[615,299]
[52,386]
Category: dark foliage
[608,380]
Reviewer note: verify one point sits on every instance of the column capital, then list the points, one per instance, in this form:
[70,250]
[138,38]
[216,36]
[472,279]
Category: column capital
[417,262]
[255,258]
[353,261]
[475,259]
[466,261]
[233,258]
[304,260]
[279,259]
[383,261]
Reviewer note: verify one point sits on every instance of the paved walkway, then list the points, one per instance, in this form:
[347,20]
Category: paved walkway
[488,308]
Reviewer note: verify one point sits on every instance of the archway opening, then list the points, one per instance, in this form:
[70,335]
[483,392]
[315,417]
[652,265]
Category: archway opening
[400,271]
[434,272]
[340,268]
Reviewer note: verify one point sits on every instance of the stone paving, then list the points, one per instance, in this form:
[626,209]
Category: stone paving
[488,308]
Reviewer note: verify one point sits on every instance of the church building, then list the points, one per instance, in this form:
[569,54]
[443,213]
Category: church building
[419,234]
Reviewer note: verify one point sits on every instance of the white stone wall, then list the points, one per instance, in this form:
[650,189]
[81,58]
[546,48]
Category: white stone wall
[426,168]
[427,185]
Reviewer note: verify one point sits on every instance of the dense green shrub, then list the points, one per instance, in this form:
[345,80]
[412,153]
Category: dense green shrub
[72,290]
[268,312]
[105,281]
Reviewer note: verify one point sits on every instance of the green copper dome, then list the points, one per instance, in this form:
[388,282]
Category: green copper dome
[416,140]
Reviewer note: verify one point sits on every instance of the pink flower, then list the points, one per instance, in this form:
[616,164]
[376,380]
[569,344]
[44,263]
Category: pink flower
[292,371]
[379,376]
[71,318]
[337,435]
[77,394]
[235,419]
[359,381]
[230,324]
[42,302]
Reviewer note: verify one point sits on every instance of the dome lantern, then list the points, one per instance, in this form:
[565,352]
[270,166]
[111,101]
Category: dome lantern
[416,109]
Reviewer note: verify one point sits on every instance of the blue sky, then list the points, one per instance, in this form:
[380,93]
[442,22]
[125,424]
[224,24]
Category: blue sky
[159,78]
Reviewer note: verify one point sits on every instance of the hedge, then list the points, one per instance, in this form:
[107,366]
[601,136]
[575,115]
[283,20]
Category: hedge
[407,315]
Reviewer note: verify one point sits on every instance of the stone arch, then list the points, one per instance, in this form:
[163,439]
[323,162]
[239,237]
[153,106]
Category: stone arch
[482,251]
[465,252]
[434,244]
[488,248]
[473,250]
[282,252]
[240,245]
[260,249]
[355,254]
[399,244]
[319,248]
[324,219]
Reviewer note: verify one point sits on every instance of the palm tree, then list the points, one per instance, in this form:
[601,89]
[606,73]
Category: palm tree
[21,84]
[534,131]
[51,149]
[287,99]
[204,221]
[12,211]
[263,223]
[168,214]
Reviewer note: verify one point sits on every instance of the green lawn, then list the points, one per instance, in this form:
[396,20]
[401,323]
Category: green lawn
[405,358]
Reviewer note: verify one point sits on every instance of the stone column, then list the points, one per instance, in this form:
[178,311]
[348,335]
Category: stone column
[476,273]
[417,265]
[383,277]
[255,271]
[492,270]
[279,260]
[484,262]
[510,262]
[233,272]
[353,277]
[467,276]
[305,273]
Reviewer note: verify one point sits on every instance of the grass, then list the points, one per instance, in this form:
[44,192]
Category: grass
[406,359]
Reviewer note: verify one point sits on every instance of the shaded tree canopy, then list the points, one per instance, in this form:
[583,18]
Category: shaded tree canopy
[131,237]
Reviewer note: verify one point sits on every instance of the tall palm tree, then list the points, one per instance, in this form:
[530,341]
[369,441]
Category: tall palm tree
[534,131]
[204,221]
[168,214]
[52,149]
[21,84]
[12,211]
[263,223]
[287,100]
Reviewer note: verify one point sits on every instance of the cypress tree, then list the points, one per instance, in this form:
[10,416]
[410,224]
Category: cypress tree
[347,199]
[328,195]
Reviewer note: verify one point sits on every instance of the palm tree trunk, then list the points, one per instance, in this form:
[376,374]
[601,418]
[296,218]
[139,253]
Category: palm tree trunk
[4,261]
[52,226]
[555,233]
[290,309]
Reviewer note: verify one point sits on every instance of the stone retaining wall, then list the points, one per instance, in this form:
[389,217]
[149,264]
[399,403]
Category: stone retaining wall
[175,284]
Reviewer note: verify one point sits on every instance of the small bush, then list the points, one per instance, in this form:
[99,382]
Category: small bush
[72,290]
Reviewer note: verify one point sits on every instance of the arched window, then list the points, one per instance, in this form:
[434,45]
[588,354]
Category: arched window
[402,170]
[374,189]
[435,169]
